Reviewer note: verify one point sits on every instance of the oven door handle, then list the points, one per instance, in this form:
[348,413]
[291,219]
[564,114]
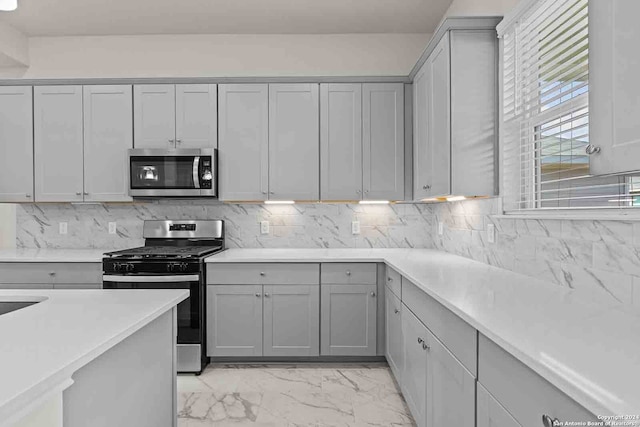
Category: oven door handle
[152,279]
[196,171]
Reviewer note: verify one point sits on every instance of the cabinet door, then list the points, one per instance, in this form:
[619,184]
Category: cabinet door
[234,320]
[421,141]
[450,399]
[294,146]
[154,114]
[243,156]
[348,320]
[383,141]
[439,99]
[58,143]
[291,320]
[16,144]
[394,341]
[196,116]
[491,413]
[341,141]
[414,373]
[614,66]
[108,134]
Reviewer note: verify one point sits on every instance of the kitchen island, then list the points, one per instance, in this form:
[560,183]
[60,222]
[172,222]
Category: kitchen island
[88,357]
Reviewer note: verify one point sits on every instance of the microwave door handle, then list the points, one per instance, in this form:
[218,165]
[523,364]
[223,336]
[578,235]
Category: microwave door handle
[196,171]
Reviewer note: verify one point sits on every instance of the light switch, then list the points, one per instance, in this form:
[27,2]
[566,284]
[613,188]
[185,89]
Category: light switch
[491,233]
[112,228]
[355,227]
[62,228]
[440,228]
[264,227]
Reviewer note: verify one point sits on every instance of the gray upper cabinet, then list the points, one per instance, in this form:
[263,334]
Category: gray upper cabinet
[58,145]
[16,144]
[455,114]
[362,141]
[341,141]
[234,320]
[294,154]
[348,320]
[108,133]
[291,320]
[439,131]
[244,141]
[614,66]
[383,141]
[490,412]
[196,116]
[154,112]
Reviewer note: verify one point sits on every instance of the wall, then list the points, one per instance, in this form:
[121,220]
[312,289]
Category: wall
[478,8]
[297,226]
[599,257]
[222,55]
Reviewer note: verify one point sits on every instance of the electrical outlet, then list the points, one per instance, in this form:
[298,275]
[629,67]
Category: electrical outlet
[440,228]
[112,228]
[264,227]
[355,227]
[491,233]
[62,228]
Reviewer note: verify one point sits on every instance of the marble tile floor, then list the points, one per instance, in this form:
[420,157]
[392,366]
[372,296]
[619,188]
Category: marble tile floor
[305,395]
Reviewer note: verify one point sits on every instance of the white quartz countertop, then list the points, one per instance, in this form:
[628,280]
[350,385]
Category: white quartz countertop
[42,345]
[588,348]
[52,255]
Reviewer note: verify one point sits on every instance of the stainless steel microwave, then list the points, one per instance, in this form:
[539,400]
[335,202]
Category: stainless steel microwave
[173,173]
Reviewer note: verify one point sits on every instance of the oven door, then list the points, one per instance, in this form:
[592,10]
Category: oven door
[190,311]
[166,173]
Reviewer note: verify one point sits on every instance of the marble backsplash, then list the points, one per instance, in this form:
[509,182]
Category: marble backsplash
[598,256]
[299,225]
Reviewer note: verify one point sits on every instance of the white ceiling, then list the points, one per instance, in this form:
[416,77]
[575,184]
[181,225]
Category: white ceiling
[131,17]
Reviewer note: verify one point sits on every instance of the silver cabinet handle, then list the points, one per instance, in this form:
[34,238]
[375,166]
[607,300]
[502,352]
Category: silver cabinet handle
[366,191]
[373,294]
[178,141]
[172,141]
[420,340]
[348,272]
[78,193]
[592,149]
[264,192]
[396,311]
[426,187]
[389,279]
[266,295]
[272,192]
[425,346]
[358,191]
[547,421]
[258,295]
[52,273]
[262,273]
[85,193]
[28,196]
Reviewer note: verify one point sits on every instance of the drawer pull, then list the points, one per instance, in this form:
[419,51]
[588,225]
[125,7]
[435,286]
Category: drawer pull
[53,273]
[425,346]
[257,295]
[373,294]
[348,272]
[389,279]
[396,311]
[420,340]
[262,273]
[266,295]
[547,421]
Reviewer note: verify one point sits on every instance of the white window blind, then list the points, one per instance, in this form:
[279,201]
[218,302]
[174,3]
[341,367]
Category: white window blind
[545,66]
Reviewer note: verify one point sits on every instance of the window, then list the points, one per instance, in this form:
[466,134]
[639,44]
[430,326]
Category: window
[545,114]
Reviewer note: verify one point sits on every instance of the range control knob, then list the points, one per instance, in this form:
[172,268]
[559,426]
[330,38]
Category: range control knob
[117,266]
[184,266]
[129,267]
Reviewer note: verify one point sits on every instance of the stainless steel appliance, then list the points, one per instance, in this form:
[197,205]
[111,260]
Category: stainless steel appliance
[173,173]
[172,258]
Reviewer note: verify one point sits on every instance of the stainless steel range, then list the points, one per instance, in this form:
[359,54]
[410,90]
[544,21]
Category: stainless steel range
[172,258]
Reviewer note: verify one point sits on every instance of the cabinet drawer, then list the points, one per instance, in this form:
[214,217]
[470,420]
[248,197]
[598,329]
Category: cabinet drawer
[349,273]
[523,393]
[393,281]
[37,272]
[457,335]
[263,274]
[26,286]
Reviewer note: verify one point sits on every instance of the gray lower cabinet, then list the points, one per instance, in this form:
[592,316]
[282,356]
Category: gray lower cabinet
[438,389]
[393,328]
[348,320]
[491,413]
[291,325]
[234,320]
